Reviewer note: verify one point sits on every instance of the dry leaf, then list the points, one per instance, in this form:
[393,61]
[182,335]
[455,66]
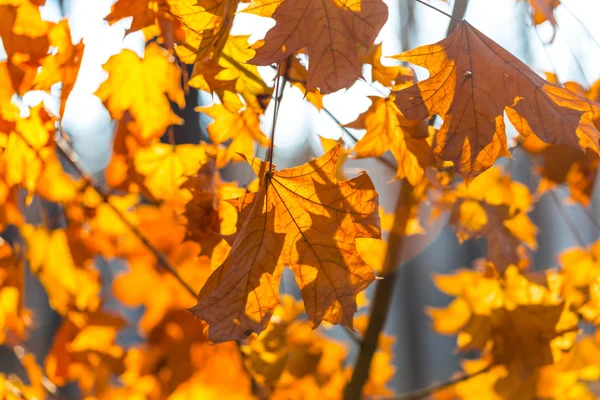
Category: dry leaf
[329,30]
[472,82]
[304,218]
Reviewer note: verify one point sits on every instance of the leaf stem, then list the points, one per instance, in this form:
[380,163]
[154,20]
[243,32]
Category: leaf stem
[382,160]
[438,10]
[383,293]
[277,100]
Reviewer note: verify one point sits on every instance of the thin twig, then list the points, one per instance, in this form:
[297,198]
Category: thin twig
[591,216]
[383,293]
[382,160]
[436,9]
[585,29]
[429,390]
[89,179]
[458,14]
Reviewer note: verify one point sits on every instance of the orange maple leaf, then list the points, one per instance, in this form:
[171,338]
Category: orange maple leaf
[387,130]
[387,76]
[236,122]
[25,41]
[62,66]
[304,218]
[206,25]
[473,82]
[144,13]
[143,86]
[328,29]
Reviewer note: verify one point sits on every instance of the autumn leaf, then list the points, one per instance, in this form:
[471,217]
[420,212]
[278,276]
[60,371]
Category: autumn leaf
[28,156]
[69,285]
[386,75]
[472,82]
[145,13]
[165,168]
[85,349]
[234,121]
[143,87]
[25,41]
[488,315]
[290,359]
[206,24]
[560,164]
[231,72]
[62,66]
[14,317]
[387,130]
[495,207]
[297,75]
[210,216]
[329,30]
[304,218]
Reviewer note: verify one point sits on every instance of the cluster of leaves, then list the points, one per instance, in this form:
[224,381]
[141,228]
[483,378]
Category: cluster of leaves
[205,257]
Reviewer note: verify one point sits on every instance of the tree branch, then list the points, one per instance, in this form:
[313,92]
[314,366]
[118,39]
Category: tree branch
[75,162]
[458,13]
[383,293]
[429,390]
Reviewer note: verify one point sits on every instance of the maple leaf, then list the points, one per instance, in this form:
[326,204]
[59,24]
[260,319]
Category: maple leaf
[28,155]
[472,82]
[489,314]
[85,349]
[206,24]
[25,40]
[62,66]
[297,75]
[143,87]
[210,217]
[145,13]
[166,167]
[289,357]
[230,72]
[304,218]
[328,29]
[495,207]
[14,318]
[236,122]
[387,76]
[69,285]
[561,164]
[387,129]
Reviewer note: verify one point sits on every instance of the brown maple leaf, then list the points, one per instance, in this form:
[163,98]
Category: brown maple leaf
[472,82]
[328,29]
[306,219]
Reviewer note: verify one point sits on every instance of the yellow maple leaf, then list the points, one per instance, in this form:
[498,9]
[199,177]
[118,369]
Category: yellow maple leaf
[233,121]
[165,168]
[387,130]
[69,286]
[143,87]
[63,65]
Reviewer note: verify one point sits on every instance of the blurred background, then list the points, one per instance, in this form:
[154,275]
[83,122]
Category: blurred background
[571,50]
